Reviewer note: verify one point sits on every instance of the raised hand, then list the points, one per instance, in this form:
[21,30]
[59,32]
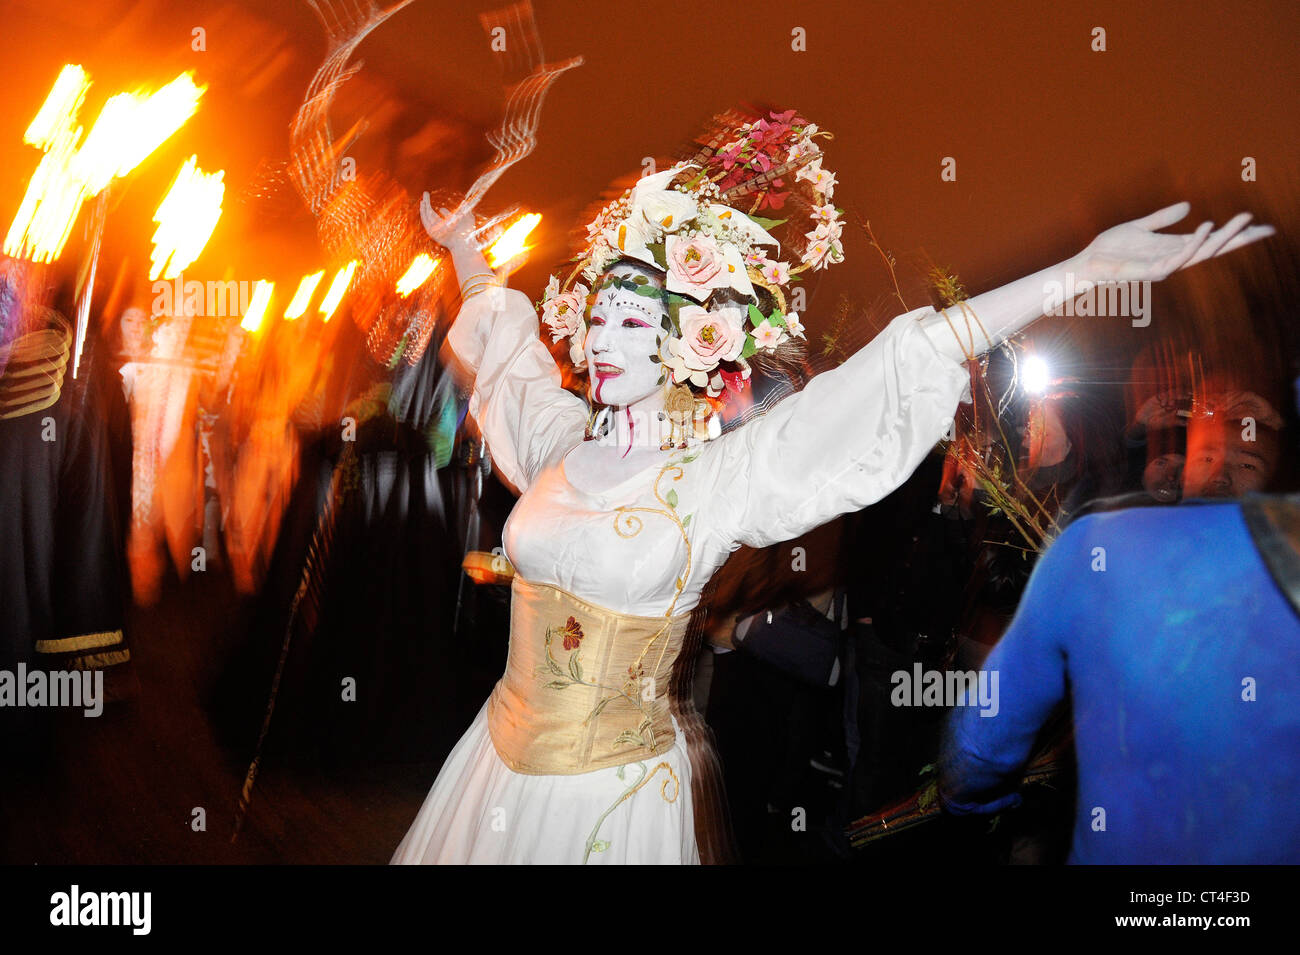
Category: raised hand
[450,229]
[1136,251]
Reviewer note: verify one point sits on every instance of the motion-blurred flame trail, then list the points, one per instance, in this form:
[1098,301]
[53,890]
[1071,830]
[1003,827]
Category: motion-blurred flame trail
[129,128]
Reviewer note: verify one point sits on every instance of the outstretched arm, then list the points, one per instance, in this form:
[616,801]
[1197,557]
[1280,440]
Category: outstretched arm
[857,432]
[1130,252]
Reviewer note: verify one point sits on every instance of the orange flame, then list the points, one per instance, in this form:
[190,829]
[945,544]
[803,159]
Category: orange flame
[417,274]
[257,306]
[186,218]
[342,279]
[511,242]
[302,297]
[129,128]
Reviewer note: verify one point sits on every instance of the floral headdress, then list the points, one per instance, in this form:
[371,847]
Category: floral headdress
[687,223]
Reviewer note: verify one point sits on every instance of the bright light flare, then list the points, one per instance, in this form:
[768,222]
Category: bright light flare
[133,125]
[302,297]
[257,306]
[186,217]
[511,242]
[417,274]
[342,279]
[60,107]
[1034,375]
[129,128]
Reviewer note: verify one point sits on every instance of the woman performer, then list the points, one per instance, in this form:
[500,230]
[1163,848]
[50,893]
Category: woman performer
[631,501]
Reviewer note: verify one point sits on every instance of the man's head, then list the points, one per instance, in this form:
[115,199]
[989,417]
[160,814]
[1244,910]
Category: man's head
[1233,448]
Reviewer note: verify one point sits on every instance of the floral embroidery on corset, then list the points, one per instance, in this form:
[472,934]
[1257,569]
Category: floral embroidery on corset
[572,634]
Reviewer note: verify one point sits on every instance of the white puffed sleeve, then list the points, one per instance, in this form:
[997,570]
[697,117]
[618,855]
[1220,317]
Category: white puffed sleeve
[528,419]
[849,438]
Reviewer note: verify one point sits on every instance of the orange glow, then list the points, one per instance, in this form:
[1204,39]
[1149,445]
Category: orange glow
[257,306]
[186,218]
[342,280]
[416,275]
[302,297]
[129,128]
[511,242]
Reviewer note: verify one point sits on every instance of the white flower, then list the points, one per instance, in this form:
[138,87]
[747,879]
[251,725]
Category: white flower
[552,289]
[793,325]
[825,183]
[827,230]
[826,213]
[629,238]
[818,253]
[809,172]
[667,209]
[576,352]
[802,148]
[823,180]
[602,256]
[776,273]
[767,335]
[562,313]
[735,219]
[675,362]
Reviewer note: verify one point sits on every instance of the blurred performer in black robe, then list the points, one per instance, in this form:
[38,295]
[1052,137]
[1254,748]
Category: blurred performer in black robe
[60,563]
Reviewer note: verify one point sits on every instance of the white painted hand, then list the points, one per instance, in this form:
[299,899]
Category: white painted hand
[445,227]
[1135,251]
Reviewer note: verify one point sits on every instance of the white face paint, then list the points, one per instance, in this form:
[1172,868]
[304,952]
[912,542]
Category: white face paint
[622,342]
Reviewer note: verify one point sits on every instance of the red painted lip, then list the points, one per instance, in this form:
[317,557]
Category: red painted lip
[608,371]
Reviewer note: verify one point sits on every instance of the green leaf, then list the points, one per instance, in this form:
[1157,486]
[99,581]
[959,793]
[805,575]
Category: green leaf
[755,316]
[671,497]
[600,845]
[768,224]
[557,685]
[928,796]
[751,346]
[553,666]
[686,521]
[656,249]
[575,668]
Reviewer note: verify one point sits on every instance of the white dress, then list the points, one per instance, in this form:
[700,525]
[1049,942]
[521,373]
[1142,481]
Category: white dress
[849,438]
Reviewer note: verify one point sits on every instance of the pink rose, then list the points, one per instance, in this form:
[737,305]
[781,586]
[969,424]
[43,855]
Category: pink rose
[696,266]
[563,313]
[711,337]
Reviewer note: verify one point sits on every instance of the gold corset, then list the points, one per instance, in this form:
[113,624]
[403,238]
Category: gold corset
[585,688]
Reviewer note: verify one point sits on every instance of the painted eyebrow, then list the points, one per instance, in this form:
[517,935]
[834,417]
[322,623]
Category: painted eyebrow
[627,310]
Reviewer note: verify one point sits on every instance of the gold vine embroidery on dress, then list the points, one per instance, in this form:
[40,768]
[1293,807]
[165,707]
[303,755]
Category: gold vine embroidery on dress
[634,525]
